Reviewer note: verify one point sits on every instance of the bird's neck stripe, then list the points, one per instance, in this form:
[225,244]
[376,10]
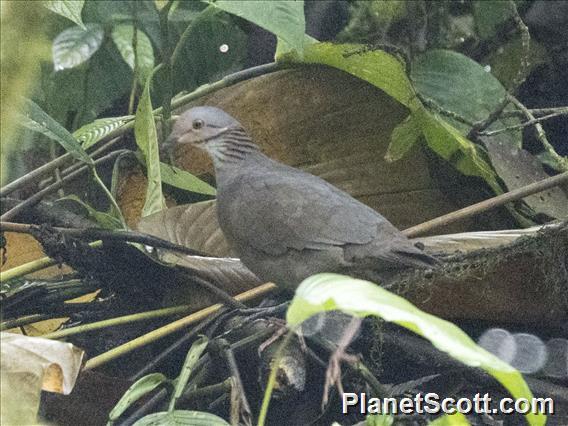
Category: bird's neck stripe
[233,146]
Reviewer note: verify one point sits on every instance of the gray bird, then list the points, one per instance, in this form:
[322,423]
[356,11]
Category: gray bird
[286,224]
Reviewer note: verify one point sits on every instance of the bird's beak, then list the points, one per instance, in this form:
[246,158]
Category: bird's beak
[166,148]
[171,140]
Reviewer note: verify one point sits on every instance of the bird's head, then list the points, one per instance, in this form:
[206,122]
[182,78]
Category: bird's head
[201,125]
[213,130]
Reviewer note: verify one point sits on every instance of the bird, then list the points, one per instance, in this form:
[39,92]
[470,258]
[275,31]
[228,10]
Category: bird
[286,224]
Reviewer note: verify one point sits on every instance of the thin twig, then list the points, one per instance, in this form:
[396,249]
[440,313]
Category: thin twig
[125,319]
[34,175]
[56,171]
[77,164]
[26,320]
[436,107]
[483,206]
[161,395]
[541,135]
[535,111]
[226,298]
[530,122]
[104,234]
[231,362]
[34,199]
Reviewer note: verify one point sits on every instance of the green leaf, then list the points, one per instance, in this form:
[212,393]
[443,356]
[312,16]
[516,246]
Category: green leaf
[379,420]
[143,61]
[193,355]
[489,15]
[446,141]
[403,137]
[75,45]
[184,180]
[283,48]
[181,418]
[285,19]
[70,9]
[461,85]
[105,220]
[140,388]
[327,292]
[377,67]
[147,140]
[457,419]
[91,133]
[38,120]
[386,72]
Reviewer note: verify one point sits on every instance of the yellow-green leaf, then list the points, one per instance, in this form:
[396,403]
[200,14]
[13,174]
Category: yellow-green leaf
[326,292]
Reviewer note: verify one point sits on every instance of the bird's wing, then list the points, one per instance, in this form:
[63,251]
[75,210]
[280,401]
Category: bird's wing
[274,212]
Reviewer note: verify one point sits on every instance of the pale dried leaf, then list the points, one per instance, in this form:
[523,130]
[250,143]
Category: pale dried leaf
[32,364]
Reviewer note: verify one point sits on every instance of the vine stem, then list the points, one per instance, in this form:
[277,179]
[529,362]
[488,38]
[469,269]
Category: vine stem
[110,197]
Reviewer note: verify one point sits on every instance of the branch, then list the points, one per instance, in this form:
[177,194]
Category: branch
[104,234]
[36,198]
[77,164]
[541,134]
[482,206]
[530,122]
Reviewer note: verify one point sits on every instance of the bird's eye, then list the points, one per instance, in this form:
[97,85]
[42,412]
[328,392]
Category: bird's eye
[197,124]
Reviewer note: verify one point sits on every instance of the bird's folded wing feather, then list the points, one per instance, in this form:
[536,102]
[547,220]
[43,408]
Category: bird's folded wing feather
[300,211]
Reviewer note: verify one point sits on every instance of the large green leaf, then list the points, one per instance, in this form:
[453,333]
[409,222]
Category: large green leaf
[184,180]
[70,9]
[388,73]
[143,61]
[377,67]
[147,140]
[91,133]
[403,137]
[138,389]
[37,119]
[75,45]
[327,292]
[86,92]
[181,418]
[461,85]
[285,19]
[446,141]
[200,59]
